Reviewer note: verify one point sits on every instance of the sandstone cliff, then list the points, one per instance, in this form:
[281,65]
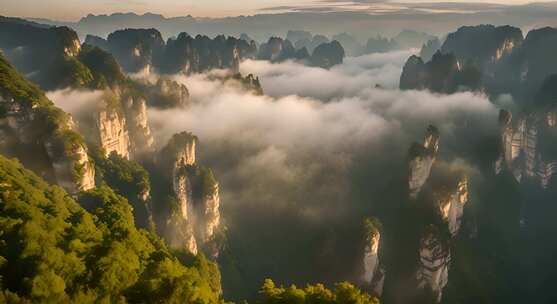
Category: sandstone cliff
[434,261]
[327,55]
[421,159]
[373,276]
[30,122]
[138,125]
[523,151]
[450,200]
[112,132]
[195,219]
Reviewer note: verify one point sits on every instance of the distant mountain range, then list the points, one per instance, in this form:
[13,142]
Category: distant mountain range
[362,25]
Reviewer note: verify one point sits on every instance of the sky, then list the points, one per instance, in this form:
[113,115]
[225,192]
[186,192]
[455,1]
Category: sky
[72,10]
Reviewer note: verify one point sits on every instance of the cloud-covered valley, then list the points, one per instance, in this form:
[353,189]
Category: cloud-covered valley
[301,166]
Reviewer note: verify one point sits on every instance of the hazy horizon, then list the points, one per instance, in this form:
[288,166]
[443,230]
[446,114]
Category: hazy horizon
[70,12]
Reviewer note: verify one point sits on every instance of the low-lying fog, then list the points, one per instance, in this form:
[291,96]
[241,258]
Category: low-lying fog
[302,166]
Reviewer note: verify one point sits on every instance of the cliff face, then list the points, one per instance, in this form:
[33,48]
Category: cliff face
[46,54]
[450,201]
[72,168]
[434,261]
[167,93]
[443,74]
[523,152]
[327,55]
[278,50]
[373,274]
[482,44]
[135,49]
[421,159]
[196,217]
[29,120]
[143,49]
[138,125]
[430,48]
[309,43]
[188,55]
[113,133]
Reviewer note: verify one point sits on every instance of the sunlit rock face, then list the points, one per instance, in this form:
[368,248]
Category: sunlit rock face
[434,262]
[450,202]
[72,168]
[210,210]
[482,44]
[421,159]
[58,153]
[113,133]
[194,221]
[373,276]
[526,148]
[138,125]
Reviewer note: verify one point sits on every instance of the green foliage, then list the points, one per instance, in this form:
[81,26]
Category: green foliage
[372,226]
[47,121]
[344,293]
[126,177]
[104,68]
[20,89]
[75,73]
[53,250]
[203,181]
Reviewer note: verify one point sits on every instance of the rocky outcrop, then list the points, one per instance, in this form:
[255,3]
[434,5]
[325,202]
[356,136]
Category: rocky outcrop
[112,131]
[327,55]
[189,55]
[414,74]
[443,74]
[310,44]
[167,93]
[46,55]
[450,201]
[526,147]
[429,49]
[72,168]
[196,217]
[373,276]
[482,44]
[135,49]
[278,50]
[249,83]
[434,262]
[143,49]
[421,159]
[140,135]
[29,121]
[97,42]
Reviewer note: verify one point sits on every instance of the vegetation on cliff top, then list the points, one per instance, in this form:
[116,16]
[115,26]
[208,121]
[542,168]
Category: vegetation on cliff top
[52,249]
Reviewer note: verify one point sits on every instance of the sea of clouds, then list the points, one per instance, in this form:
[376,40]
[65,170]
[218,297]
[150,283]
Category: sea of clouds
[309,156]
